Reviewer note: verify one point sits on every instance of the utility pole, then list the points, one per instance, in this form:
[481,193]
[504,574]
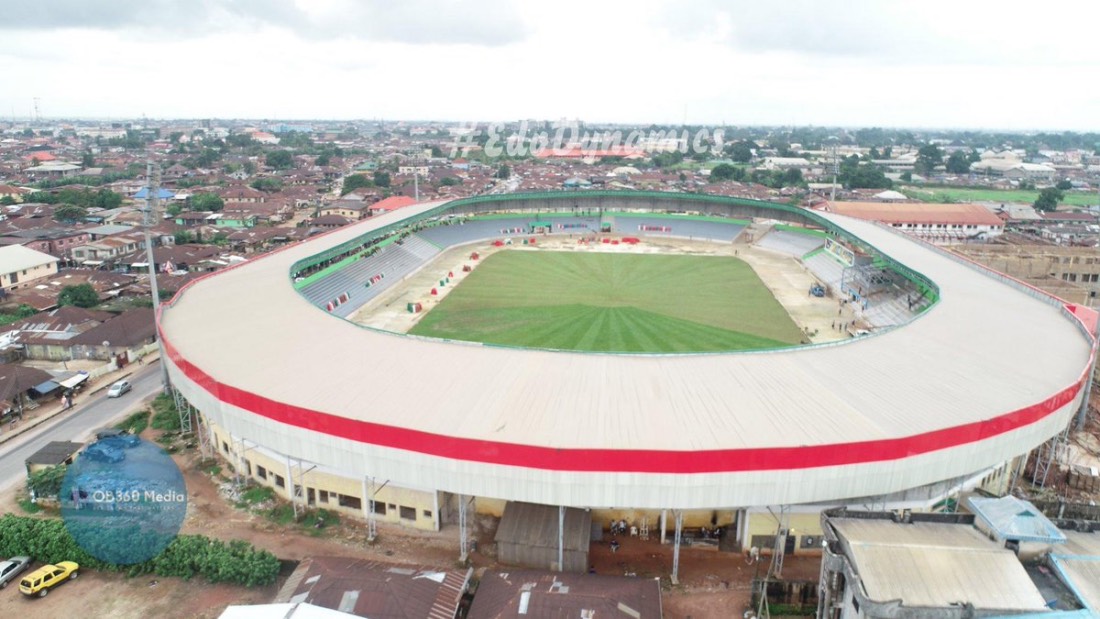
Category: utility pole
[152,200]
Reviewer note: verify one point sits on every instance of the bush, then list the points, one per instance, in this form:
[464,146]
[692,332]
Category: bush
[257,494]
[236,562]
[47,482]
[135,424]
[165,414]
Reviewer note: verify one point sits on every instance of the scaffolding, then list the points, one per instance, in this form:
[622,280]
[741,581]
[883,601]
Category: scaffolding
[297,485]
[1047,455]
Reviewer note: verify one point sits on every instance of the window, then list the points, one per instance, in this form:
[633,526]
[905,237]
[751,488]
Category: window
[261,472]
[280,482]
[427,514]
[349,501]
[763,541]
[380,508]
[322,496]
[408,513]
[225,447]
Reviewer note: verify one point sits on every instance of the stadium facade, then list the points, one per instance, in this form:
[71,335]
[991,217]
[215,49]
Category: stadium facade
[398,428]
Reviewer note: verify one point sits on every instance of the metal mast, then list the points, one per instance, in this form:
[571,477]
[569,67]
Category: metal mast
[152,201]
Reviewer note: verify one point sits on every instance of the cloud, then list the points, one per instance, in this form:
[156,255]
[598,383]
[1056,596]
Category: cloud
[936,31]
[478,22]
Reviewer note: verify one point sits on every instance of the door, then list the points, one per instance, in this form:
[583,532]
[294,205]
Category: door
[788,547]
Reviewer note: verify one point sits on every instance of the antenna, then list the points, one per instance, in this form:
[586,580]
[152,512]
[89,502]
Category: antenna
[37,112]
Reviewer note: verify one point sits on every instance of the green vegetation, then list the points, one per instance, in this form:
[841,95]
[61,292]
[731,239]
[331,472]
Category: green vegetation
[236,562]
[136,423]
[86,198]
[1048,199]
[81,295]
[257,494]
[26,505]
[47,482]
[165,414]
[206,202]
[355,181]
[21,312]
[981,194]
[613,302]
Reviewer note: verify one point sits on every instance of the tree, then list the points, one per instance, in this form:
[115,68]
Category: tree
[268,184]
[70,213]
[723,172]
[906,177]
[47,482]
[174,209]
[1064,185]
[355,181]
[958,163]
[448,181]
[323,159]
[928,157]
[279,160]
[25,311]
[1048,199]
[741,152]
[183,237]
[504,171]
[206,202]
[87,160]
[81,295]
[381,179]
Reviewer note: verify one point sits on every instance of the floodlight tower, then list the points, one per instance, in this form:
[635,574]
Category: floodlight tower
[152,200]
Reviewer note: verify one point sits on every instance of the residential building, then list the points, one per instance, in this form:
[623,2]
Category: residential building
[519,593]
[942,223]
[20,266]
[901,566]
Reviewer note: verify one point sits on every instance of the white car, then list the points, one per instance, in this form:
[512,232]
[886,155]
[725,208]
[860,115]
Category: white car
[119,388]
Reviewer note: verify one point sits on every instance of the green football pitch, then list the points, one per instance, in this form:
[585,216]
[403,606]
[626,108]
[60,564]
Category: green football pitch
[612,303]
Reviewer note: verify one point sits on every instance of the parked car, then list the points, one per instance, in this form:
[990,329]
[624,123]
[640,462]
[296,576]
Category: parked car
[11,568]
[40,581]
[119,388]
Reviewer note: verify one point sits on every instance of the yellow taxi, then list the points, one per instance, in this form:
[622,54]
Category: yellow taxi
[40,581]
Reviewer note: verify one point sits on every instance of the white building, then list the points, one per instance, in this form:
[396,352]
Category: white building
[20,265]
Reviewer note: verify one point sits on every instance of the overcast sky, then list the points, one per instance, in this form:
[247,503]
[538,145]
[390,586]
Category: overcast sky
[960,63]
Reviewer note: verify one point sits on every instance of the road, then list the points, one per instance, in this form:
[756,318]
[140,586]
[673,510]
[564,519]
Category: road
[77,425]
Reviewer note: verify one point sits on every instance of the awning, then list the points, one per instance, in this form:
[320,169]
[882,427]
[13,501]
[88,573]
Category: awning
[73,381]
[47,387]
[94,263]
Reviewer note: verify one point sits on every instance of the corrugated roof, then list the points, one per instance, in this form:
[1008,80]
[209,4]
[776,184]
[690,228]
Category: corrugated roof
[377,590]
[936,565]
[1010,518]
[18,258]
[549,594]
[917,213]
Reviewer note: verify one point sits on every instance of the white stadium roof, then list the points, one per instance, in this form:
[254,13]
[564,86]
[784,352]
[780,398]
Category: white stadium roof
[986,374]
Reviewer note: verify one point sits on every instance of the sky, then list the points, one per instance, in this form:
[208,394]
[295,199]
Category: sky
[972,64]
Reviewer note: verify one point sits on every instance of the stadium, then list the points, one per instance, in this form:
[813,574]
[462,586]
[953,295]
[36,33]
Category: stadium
[953,376]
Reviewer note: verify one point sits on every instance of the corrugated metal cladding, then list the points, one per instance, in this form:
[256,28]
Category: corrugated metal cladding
[988,373]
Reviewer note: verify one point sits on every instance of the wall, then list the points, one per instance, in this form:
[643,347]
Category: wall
[330,491]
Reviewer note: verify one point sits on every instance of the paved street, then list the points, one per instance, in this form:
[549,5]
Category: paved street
[78,424]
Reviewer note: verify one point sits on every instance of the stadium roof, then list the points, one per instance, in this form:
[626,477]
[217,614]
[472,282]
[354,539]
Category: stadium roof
[987,373]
